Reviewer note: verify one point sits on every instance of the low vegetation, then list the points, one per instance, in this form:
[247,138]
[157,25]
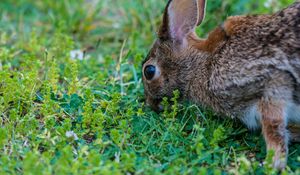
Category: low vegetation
[71,97]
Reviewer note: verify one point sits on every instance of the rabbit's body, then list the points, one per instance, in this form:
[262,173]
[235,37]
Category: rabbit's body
[260,58]
[249,68]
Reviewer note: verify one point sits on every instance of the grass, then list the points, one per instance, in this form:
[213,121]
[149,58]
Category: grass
[85,114]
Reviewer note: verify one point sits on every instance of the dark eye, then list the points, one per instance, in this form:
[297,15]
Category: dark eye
[149,72]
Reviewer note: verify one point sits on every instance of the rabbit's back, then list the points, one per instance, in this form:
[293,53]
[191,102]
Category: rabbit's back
[261,56]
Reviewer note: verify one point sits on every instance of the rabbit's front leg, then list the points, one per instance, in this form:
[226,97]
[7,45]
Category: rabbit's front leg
[274,123]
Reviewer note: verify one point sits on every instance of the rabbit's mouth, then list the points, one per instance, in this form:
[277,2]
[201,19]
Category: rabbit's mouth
[155,104]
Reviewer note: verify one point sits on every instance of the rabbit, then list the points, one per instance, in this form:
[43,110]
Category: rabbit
[247,68]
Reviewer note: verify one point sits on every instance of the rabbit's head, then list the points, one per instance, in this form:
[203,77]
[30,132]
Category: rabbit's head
[166,66]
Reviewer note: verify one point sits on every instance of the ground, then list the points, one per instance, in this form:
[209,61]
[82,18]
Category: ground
[71,97]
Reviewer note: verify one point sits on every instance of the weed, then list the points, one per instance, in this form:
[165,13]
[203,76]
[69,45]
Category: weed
[63,115]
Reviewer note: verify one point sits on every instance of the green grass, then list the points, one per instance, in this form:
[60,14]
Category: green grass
[68,116]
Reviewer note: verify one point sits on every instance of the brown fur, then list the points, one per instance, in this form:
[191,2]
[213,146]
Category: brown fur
[249,60]
[274,129]
[216,38]
[236,24]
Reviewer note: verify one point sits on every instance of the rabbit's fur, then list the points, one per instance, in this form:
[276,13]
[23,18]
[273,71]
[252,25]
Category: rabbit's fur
[249,67]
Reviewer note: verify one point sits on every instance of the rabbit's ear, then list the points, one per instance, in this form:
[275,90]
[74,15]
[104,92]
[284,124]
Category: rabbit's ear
[181,17]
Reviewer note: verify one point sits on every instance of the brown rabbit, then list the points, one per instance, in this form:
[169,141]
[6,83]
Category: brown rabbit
[247,68]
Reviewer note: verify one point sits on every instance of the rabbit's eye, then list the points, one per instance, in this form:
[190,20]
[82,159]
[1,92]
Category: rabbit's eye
[149,72]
